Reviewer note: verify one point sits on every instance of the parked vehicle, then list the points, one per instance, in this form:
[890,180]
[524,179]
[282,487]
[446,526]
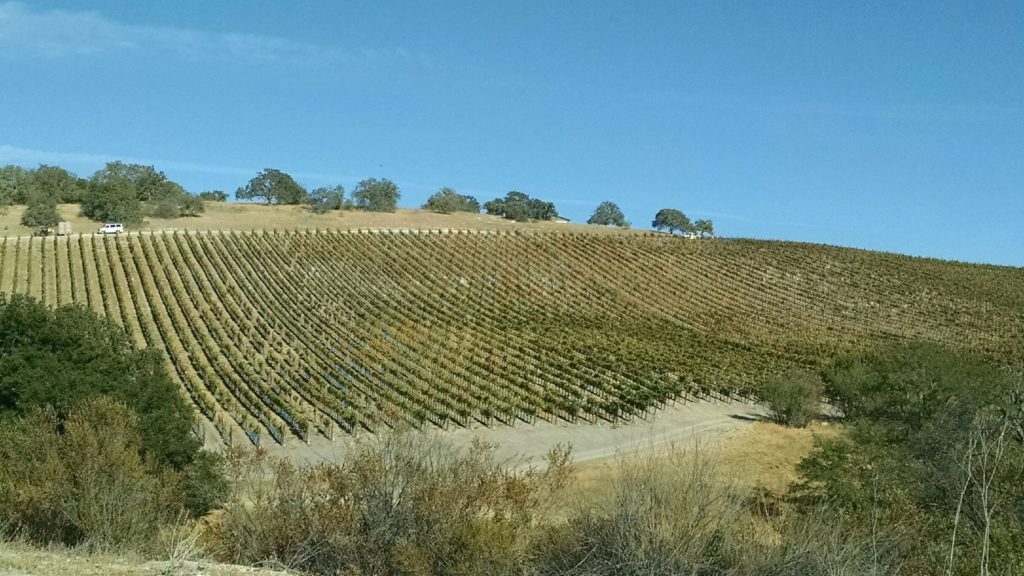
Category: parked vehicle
[42,231]
[64,229]
[111,228]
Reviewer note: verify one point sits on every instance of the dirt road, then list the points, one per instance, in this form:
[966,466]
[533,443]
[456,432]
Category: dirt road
[526,445]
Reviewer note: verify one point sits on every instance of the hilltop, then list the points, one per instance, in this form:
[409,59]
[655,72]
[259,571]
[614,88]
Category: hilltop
[243,216]
[300,333]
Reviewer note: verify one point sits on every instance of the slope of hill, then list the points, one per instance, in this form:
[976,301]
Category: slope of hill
[287,334]
[239,216]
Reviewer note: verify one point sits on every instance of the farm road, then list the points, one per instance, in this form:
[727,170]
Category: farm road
[526,445]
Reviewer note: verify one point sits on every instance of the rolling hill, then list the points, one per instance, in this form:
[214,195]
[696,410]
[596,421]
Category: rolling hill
[284,334]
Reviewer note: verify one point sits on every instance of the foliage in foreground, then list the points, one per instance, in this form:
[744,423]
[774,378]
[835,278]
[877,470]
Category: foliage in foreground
[404,504]
[926,481]
[935,446]
[96,443]
[411,504]
[60,357]
[82,479]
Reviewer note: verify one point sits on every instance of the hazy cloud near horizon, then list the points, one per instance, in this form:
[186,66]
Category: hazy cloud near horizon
[52,34]
[27,157]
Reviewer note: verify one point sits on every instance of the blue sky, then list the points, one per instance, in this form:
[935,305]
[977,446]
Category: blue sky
[886,125]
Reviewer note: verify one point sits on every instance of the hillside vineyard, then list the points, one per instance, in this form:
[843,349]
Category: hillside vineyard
[287,334]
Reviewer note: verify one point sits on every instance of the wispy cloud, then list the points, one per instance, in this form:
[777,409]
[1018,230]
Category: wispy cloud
[92,161]
[16,155]
[906,112]
[783,223]
[64,33]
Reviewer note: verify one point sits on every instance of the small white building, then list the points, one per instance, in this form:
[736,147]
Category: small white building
[561,220]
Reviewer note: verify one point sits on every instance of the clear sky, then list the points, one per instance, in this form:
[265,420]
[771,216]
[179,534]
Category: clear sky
[886,125]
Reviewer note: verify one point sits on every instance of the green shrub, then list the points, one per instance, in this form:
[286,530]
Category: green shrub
[323,199]
[375,195]
[62,356]
[793,397]
[204,483]
[81,479]
[165,208]
[214,196]
[448,201]
[934,447]
[40,214]
[191,206]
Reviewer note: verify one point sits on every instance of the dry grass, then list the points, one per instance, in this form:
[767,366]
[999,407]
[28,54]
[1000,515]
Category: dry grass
[761,457]
[232,216]
[10,220]
[764,456]
[23,560]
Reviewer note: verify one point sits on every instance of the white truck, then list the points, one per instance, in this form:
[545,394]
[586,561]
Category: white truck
[111,228]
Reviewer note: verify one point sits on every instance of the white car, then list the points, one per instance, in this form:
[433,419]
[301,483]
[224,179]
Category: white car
[111,228]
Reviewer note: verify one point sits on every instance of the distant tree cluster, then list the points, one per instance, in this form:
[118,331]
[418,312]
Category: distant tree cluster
[52,183]
[123,192]
[273,187]
[324,199]
[40,190]
[670,219]
[608,214]
[521,208]
[675,221]
[375,195]
[214,196]
[448,201]
[126,192]
[119,192]
[276,187]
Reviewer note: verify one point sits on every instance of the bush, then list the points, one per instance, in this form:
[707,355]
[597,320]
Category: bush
[204,484]
[214,196]
[40,214]
[934,442]
[323,199]
[81,480]
[405,504]
[818,541]
[191,205]
[671,514]
[165,208]
[96,444]
[793,397]
[62,356]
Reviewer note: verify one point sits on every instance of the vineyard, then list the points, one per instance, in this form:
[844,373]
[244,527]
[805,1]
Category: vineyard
[280,335]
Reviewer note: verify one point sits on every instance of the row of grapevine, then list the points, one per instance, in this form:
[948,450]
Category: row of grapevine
[284,334]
